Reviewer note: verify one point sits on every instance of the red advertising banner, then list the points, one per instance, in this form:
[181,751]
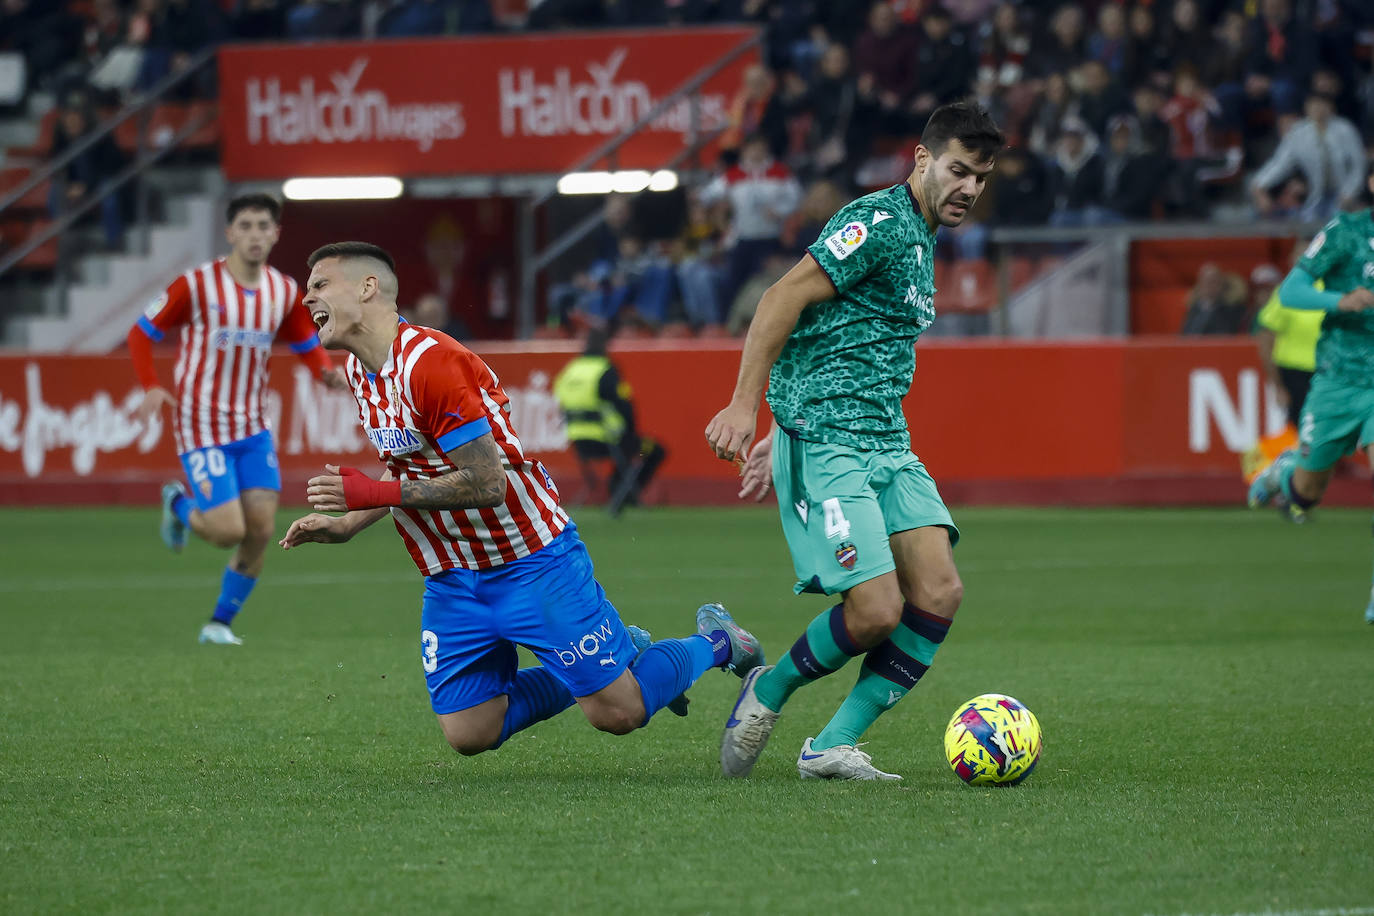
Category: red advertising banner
[1144,421]
[485,106]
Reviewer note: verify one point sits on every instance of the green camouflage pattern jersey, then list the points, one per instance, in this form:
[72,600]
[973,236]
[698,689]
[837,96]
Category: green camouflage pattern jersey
[848,363]
[1342,255]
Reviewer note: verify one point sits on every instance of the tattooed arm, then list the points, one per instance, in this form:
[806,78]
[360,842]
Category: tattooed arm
[478,483]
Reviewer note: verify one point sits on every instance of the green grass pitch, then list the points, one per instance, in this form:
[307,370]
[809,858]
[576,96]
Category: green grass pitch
[1204,679]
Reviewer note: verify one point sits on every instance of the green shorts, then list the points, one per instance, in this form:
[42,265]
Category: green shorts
[1336,419]
[839,506]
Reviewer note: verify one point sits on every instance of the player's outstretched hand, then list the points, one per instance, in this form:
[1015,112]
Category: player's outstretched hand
[153,399]
[334,379]
[316,529]
[1357,300]
[757,473]
[729,432]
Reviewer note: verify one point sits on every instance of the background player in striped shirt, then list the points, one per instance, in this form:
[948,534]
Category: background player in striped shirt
[502,561]
[229,312]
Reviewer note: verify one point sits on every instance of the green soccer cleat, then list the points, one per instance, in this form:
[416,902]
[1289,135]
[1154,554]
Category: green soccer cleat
[642,640]
[172,530]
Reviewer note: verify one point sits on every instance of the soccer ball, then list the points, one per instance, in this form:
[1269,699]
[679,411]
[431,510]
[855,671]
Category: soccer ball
[992,741]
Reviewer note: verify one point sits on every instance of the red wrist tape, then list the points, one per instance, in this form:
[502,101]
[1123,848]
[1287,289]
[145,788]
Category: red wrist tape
[362,492]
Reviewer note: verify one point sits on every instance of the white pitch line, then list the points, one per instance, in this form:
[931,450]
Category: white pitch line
[1333,911]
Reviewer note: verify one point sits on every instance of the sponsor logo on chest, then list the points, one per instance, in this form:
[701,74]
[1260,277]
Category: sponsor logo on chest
[398,440]
[923,305]
[243,337]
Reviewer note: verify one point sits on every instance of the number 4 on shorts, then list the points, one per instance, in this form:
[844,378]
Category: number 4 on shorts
[836,525]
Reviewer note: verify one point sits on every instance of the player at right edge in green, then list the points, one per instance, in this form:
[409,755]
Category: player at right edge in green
[1338,415]
[834,339]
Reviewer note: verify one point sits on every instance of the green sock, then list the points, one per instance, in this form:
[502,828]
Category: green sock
[889,671]
[823,649]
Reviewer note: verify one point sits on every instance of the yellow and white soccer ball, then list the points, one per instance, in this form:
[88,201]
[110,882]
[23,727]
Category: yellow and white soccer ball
[992,740]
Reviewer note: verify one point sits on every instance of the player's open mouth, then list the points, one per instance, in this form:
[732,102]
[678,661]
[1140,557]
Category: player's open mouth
[321,318]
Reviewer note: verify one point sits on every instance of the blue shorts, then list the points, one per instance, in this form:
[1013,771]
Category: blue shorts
[218,473]
[472,620]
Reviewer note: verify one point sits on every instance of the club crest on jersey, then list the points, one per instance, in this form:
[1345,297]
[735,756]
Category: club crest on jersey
[395,439]
[847,555]
[206,488]
[843,242]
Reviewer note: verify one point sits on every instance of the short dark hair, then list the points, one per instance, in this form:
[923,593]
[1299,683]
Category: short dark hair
[967,122]
[351,250]
[253,202]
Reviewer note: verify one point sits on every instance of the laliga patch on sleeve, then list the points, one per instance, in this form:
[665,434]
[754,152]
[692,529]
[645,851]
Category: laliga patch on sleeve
[1317,242]
[155,307]
[843,243]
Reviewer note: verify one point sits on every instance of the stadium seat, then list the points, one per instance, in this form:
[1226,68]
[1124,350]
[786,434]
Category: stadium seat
[968,286]
[1158,310]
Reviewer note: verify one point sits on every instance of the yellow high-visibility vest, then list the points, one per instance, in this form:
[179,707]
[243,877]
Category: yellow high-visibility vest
[577,388]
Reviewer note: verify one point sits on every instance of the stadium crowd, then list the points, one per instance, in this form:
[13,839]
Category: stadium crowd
[1116,110]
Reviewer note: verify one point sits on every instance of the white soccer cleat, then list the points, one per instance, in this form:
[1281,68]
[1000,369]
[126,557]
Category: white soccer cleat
[219,634]
[747,729]
[843,761]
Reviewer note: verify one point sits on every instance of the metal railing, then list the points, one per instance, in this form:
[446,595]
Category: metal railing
[145,155]
[534,262]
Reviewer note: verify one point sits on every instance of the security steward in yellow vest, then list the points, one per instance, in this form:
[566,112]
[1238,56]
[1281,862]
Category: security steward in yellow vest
[1287,340]
[600,420]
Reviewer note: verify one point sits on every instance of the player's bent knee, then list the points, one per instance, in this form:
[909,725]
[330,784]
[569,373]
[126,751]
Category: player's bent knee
[615,718]
[870,624]
[471,741]
[225,536]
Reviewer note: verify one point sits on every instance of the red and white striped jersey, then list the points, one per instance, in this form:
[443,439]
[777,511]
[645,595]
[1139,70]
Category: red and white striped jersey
[432,396]
[226,339]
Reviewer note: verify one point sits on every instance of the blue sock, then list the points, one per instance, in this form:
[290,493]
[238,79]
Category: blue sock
[234,590]
[536,696]
[181,508]
[668,667]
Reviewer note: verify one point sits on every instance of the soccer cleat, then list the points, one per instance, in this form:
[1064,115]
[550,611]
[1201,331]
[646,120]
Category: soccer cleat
[1293,513]
[745,651]
[642,640]
[219,634]
[843,761]
[172,530]
[747,729]
[1369,611]
[1263,489]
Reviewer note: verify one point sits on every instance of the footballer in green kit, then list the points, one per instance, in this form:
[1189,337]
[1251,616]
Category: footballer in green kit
[834,340]
[1338,415]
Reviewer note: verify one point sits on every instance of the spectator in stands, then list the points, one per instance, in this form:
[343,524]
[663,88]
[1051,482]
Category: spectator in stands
[1185,35]
[1146,56]
[944,67]
[177,30]
[1099,96]
[1224,62]
[1042,129]
[1216,304]
[431,311]
[1021,191]
[1003,44]
[842,121]
[699,275]
[1060,48]
[758,193]
[88,171]
[1191,115]
[757,109]
[1078,178]
[1147,102]
[1282,54]
[1130,174]
[1327,151]
[885,56]
[1108,45]
[46,33]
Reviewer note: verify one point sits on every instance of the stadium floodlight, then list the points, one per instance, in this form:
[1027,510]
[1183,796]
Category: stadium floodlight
[663,180]
[375,187]
[629,181]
